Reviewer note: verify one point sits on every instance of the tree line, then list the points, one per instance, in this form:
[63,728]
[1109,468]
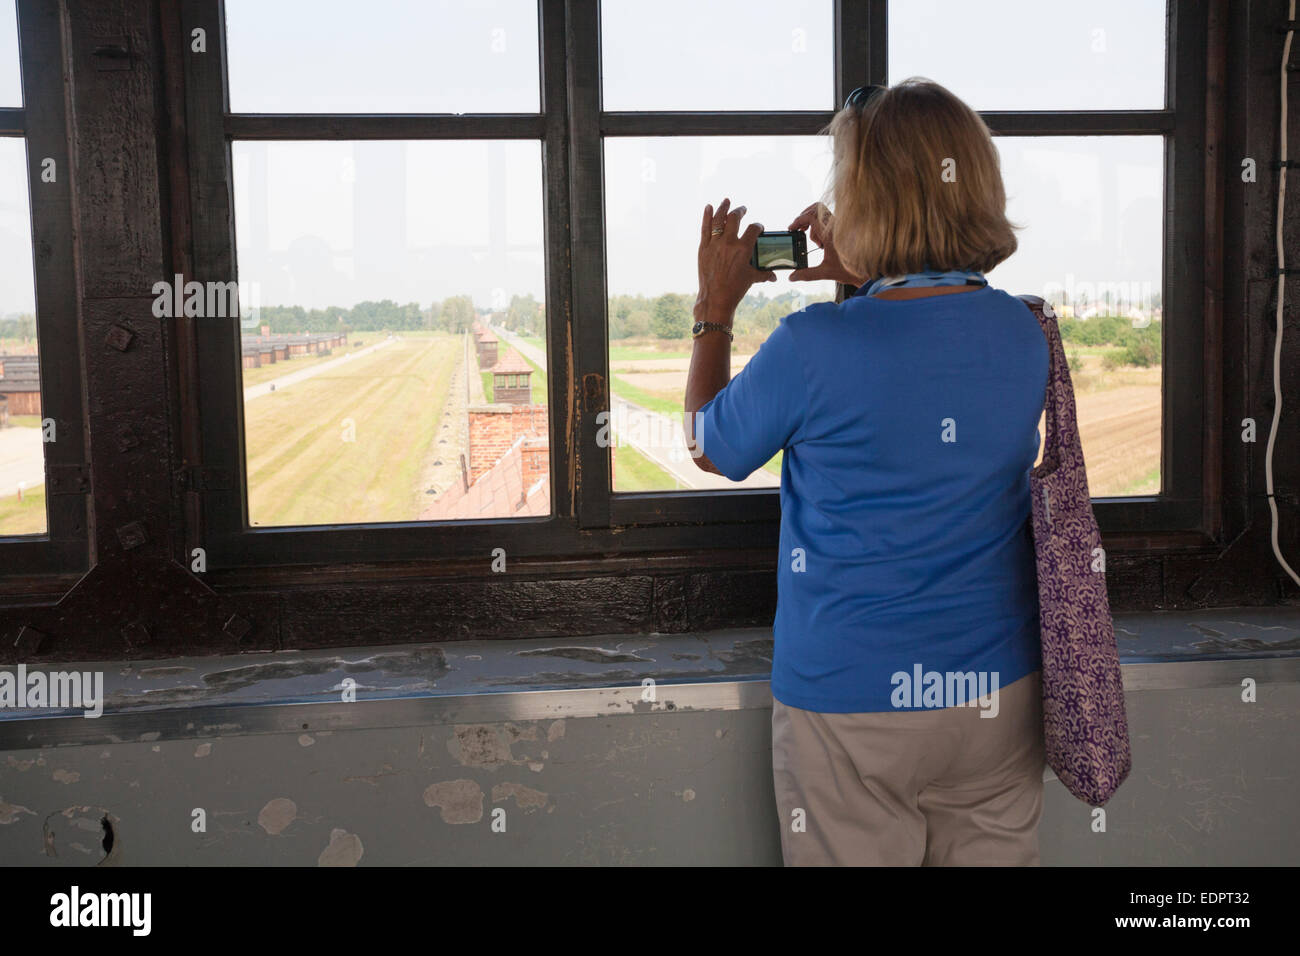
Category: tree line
[18,327]
[1138,345]
[454,314]
[671,315]
[667,316]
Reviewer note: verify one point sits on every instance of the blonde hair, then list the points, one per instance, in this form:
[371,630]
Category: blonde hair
[916,184]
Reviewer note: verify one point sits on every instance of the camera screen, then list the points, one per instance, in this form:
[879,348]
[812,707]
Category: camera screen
[775,252]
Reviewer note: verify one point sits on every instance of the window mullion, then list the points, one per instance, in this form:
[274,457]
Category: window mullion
[557,206]
[587,225]
[861,45]
[211,207]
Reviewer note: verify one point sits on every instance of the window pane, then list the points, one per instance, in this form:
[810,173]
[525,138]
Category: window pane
[11,90]
[383,56]
[1092,245]
[382,272]
[22,454]
[1031,55]
[730,55]
[655,191]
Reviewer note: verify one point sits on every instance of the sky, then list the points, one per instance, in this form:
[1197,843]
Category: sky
[323,224]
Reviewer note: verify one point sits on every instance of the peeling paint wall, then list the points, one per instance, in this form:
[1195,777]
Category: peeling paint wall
[1214,783]
[507,752]
[558,791]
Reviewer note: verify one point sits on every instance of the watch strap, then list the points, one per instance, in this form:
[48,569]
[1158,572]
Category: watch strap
[701,327]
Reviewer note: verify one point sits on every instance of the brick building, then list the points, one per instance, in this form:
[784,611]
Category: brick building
[507,470]
[485,345]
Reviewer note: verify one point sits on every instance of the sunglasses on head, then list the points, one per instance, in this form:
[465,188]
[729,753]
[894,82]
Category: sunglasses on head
[859,97]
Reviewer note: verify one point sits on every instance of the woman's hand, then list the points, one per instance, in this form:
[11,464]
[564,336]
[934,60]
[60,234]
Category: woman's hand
[819,223]
[726,272]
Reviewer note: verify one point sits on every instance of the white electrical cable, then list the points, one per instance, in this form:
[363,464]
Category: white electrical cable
[1281,290]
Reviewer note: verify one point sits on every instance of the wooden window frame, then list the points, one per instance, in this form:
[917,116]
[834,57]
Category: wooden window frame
[588,518]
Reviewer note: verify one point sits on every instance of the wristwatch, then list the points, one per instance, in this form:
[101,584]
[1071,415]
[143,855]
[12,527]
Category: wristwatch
[699,328]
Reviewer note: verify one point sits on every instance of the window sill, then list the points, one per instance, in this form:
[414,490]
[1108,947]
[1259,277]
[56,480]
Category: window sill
[518,680]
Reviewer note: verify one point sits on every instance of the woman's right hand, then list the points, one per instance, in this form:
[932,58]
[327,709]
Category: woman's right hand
[819,223]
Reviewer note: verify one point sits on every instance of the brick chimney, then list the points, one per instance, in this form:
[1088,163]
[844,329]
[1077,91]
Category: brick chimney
[494,428]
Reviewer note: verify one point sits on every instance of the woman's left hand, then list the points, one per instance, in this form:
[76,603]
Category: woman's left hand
[726,272]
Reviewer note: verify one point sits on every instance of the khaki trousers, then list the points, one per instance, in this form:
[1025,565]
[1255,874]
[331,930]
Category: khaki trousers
[942,787]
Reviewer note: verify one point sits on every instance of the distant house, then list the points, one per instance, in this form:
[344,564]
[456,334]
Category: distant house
[20,384]
[485,345]
[511,380]
[264,349]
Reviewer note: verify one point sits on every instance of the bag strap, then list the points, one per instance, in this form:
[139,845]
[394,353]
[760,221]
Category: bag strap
[1061,424]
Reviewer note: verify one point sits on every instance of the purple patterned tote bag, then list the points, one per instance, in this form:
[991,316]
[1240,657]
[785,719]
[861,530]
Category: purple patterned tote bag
[1084,724]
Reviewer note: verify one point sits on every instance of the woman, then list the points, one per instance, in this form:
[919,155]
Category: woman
[906,721]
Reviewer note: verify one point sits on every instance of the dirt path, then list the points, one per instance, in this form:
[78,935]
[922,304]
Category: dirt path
[442,465]
[1119,429]
[22,459]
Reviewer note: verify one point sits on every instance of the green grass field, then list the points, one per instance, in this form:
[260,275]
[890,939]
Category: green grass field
[647,400]
[632,353]
[633,471]
[1148,484]
[306,467]
[672,407]
[23,517]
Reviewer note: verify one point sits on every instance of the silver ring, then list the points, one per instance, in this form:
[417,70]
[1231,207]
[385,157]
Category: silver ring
[718,230]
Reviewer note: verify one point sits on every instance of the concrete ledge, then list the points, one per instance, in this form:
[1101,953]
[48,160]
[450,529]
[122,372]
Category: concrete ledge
[481,681]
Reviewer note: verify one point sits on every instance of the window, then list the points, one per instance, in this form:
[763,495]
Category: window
[11,88]
[22,454]
[42,478]
[655,188]
[1099,56]
[760,55]
[1102,271]
[1088,154]
[380,251]
[389,252]
[502,211]
[22,458]
[1093,206]
[390,56]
